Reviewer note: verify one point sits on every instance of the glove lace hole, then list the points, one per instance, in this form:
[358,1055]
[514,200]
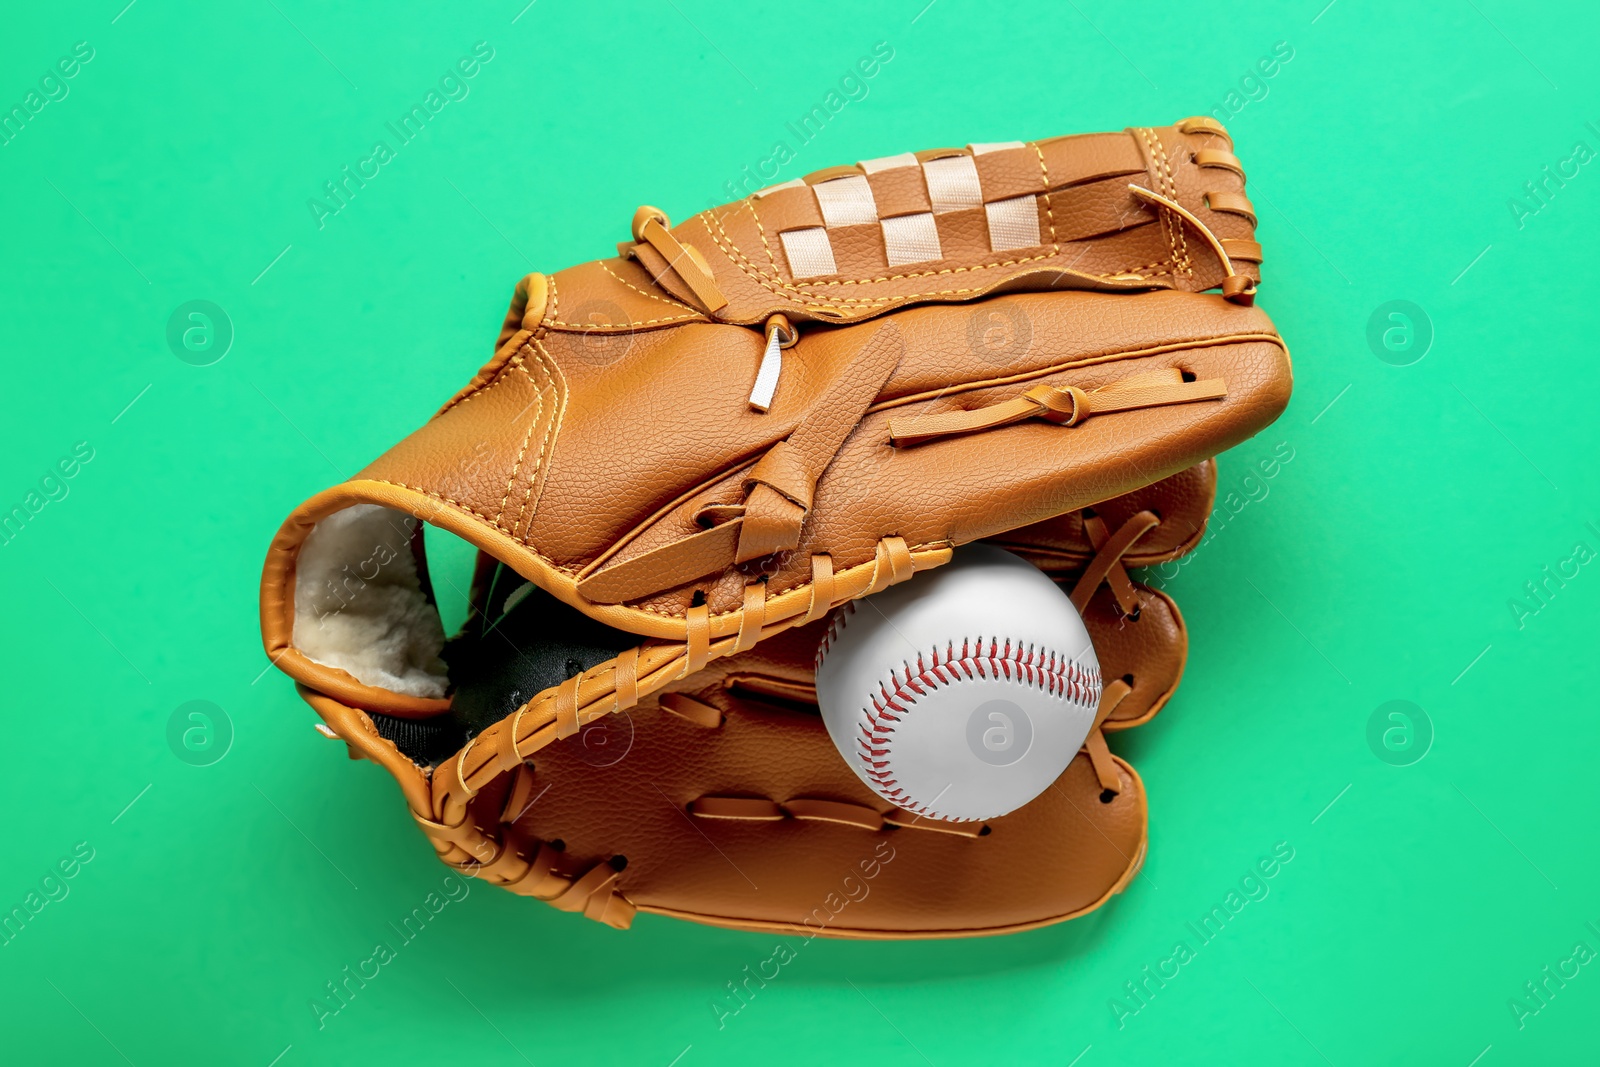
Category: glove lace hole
[1107,795]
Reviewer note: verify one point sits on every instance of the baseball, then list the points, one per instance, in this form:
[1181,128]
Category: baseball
[964,694]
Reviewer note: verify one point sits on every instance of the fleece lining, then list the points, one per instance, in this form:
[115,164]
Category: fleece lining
[359,605]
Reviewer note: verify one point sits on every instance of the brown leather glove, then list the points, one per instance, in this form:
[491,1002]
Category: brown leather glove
[721,799]
[782,405]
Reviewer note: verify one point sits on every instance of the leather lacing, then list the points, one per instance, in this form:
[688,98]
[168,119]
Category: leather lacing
[1236,288]
[539,869]
[532,868]
[1106,567]
[838,812]
[1062,405]
[652,227]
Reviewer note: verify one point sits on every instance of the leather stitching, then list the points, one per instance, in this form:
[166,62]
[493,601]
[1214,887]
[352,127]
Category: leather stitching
[1166,266]
[470,510]
[1049,213]
[538,395]
[762,231]
[1176,237]
[726,243]
[498,378]
[1172,192]
[805,299]
[557,386]
[591,327]
[1158,180]
[652,296]
[527,438]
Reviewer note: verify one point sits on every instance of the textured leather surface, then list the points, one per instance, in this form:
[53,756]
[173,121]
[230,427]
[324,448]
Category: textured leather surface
[529,466]
[1094,233]
[610,453]
[1181,501]
[1057,856]
[612,421]
[626,786]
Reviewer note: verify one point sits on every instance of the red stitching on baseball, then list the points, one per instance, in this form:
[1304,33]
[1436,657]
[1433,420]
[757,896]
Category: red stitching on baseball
[1052,672]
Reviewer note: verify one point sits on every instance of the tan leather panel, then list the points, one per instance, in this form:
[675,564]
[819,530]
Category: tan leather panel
[734,809]
[899,191]
[1095,208]
[858,250]
[1009,172]
[1182,501]
[683,385]
[1057,857]
[790,209]
[1147,650]
[610,296]
[1006,478]
[963,237]
[1089,156]
[494,477]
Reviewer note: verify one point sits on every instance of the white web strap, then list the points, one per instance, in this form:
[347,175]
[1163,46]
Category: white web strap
[767,374]
[911,239]
[952,183]
[809,252]
[1013,223]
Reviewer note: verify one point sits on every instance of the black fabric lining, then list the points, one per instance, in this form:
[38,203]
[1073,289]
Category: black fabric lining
[422,741]
[519,652]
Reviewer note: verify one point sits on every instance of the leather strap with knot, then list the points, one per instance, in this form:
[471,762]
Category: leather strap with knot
[1062,405]
[1236,288]
[1106,567]
[651,228]
[778,490]
[502,748]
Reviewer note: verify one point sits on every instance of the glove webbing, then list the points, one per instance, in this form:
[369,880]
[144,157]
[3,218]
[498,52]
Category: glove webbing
[487,852]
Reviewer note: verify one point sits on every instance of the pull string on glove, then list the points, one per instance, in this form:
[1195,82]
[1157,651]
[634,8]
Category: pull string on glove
[780,335]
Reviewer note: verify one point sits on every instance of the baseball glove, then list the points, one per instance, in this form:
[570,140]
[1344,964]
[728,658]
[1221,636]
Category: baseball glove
[721,798]
[781,405]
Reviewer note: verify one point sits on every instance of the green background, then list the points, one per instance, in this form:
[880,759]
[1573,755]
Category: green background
[1380,564]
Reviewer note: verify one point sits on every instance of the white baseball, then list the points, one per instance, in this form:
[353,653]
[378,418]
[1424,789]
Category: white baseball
[963,694]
